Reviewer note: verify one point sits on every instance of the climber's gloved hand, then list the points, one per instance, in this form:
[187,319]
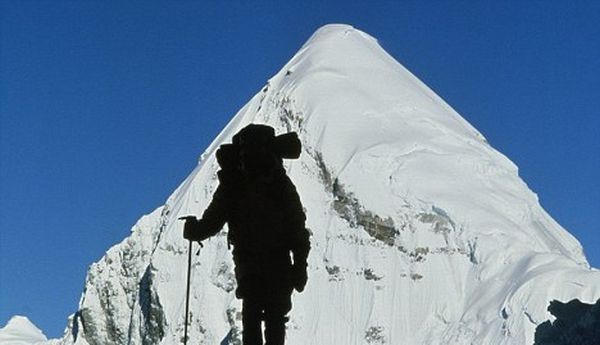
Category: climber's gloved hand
[299,276]
[192,229]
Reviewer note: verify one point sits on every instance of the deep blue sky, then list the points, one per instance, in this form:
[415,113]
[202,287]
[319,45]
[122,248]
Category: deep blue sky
[105,107]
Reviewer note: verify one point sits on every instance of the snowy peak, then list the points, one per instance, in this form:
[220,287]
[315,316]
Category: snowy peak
[20,331]
[357,108]
[339,56]
[351,96]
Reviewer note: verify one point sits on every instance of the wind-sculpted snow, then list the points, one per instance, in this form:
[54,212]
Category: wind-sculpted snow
[421,232]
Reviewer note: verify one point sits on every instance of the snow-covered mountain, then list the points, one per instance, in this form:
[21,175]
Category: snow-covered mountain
[20,331]
[422,233]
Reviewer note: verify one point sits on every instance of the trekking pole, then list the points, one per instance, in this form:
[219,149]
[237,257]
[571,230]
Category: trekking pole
[189,278]
[187,294]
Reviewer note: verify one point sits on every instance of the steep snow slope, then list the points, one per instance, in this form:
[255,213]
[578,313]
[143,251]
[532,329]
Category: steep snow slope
[421,232]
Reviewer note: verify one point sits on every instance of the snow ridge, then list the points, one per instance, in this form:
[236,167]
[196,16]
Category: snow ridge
[422,233]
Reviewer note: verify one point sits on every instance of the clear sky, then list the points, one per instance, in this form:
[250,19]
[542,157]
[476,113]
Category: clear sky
[106,106]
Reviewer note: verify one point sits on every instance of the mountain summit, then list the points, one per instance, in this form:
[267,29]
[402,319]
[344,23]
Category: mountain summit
[20,331]
[422,233]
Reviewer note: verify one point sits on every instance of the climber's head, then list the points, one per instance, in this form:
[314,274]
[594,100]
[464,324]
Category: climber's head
[256,154]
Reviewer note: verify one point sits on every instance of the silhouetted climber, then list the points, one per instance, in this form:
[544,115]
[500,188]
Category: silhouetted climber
[266,223]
